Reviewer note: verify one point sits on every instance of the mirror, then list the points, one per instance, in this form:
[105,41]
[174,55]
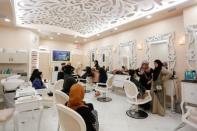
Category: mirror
[91,57]
[161,47]
[105,57]
[127,55]
[159,51]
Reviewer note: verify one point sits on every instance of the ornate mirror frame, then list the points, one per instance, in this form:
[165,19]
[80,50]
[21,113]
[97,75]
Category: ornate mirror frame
[191,33]
[167,38]
[133,53]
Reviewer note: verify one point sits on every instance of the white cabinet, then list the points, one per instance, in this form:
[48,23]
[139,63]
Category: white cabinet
[19,57]
[189,92]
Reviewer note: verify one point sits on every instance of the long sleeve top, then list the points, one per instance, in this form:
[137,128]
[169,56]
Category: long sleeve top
[88,117]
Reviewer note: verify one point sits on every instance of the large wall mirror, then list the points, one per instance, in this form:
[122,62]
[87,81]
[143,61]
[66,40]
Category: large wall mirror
[161,47]
[91,57]
[105,57]
[191,32]
[127,55]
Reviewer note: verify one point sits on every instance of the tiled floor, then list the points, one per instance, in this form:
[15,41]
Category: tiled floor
[112,117]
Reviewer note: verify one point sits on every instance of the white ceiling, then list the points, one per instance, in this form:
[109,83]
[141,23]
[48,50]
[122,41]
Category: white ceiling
[85,18]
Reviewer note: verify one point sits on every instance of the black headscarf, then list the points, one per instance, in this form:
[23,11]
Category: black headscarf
[33,75]
[157,70]
[67,84]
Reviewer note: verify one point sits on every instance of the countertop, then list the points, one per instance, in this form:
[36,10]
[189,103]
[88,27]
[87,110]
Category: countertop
[190,81]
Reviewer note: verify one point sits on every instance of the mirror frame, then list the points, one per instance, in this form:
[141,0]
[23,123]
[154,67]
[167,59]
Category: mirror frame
[191,55]
[132,48]
[167,38]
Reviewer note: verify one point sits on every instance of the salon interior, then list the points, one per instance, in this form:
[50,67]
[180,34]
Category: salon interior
[98,65]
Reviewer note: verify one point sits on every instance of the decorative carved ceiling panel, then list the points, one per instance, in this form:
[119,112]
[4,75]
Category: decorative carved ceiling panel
[86,17]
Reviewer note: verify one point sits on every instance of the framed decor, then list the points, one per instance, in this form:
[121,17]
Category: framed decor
[161,47]
[191,33]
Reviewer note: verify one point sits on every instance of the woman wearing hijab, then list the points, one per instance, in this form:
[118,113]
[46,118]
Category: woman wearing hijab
[159,85]
[33,75]
[37,83]
[96,65]
[76,103]
[88,73]
[145,74]
[68,82]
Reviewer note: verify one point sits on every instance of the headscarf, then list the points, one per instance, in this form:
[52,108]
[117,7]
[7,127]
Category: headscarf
[68,82]
[34,73]
[157,70]
[76,97]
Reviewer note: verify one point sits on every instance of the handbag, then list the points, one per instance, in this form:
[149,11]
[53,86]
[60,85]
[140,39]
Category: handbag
[158,84]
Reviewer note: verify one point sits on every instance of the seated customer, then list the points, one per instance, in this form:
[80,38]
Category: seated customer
[76,103]
[68,82]
[32,78]
[67,72]
[140,87]
[60,74]
[37,83]
[71,67]
[88,73]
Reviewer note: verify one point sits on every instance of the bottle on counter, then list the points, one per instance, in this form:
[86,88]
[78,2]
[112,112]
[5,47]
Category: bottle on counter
[193,75]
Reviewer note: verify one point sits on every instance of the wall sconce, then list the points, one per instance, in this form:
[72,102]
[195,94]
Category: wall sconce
[139,46]
[182,41]
[114,49]
[97,51]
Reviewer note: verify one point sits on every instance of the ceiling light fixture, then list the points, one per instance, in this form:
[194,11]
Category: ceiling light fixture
[39,30]
[149,16]
[7,20]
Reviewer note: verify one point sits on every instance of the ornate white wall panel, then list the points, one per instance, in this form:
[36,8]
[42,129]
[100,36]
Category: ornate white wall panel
[191,32]
[85,17]
[167,38]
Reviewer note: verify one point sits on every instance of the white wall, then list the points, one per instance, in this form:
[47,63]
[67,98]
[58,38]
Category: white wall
[174,24]
[47,65]
[16,38]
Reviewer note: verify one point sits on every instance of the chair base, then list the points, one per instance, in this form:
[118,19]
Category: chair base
[137,114]
[104,99]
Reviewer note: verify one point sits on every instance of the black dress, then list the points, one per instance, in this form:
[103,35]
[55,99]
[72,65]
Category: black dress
[144,78]
[88,117]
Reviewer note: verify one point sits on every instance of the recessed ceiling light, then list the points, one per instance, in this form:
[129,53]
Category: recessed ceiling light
[115,28]
[149,16]
[58,33]
[51,38]
[7,20]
